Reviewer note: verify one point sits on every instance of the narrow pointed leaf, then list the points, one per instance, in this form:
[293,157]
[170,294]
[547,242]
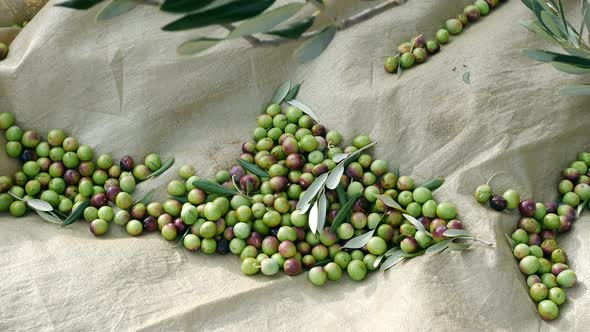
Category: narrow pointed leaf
[165,166]
[456,233]
[576,90]
[76,214]
[334,177]
[147,198]
[391,262]
[459,246]
[546,56]
[303,107]
[550,24]
[253,168]
[581,208]
[314,46]
[417,224]
[570,69]
[539,30]
[79,4]
[197,45]
[353,155]
[387,200]
[511,242]
[180,241]
[391,251]
[413,254]
[438,247]
[312,191]
[359,241]
[48,217]
[183,6]
[340,156]
[377,261]
[232,12]
[293,92]
[322,206]
[39,205]
[116,8]
[265,21]
[313,218]
[433,184]
[342,196]
[281,93]
[294,30]
[344,212]
[181,199]
[214,188]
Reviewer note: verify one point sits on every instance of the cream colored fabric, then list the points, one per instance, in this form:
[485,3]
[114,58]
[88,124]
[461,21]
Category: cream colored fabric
[121,88]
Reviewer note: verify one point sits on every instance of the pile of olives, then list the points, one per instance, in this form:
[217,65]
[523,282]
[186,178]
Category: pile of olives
[66,174]
[262,225]
[416,51]
[534,241]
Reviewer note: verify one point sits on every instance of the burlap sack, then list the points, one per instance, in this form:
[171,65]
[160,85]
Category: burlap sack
[121,88]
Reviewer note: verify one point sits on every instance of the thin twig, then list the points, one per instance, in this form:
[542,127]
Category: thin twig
[251,39]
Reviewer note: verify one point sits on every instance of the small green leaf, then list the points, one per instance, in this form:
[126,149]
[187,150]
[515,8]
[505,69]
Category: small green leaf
[387,200]
[414,254]
[391,251]
[183,6]
[295,30]
[232,12]
[456,233]
[265,21]
[335,176]
[340,156]
[180,241]
[391,261]
[214,188]
[438,247]
[253,168]
[79,4]
[303,107]
[322,206]
[344,212]
[539,30]
[417,224]
[576,90]
[467,78]
[312,218]
[581,208]
[165,166]
[197,45]
[359,241]
[377,261]
[570,69]
[116,8]
[511,242]
[281,93]
[546,56]
[551,25]
[181,199]
[342,196]
[76,214]
[433,184]
[314,46]
[39,205]
[48,217]
[312,191]
[293,92]
[459,246]
[146,199]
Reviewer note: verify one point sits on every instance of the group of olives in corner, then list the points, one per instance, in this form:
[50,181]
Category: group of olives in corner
[416,51]
[534,241]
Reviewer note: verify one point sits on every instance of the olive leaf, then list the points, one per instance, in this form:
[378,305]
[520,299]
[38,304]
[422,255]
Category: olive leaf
[576,90]
[312,192]
[340,156]
[183,6]
[459,246]
[322,206]
[359,241]
[303,107]
[197,45]
[253,168]
[535,26]
[232,12]
[350,157]
[570,69]
[181,239]
[391,251]
[214,188]
[438,247]
[335,176]
[116,8]
[392,260]
[181,199]
[281,92]
[417,224]
[49,217]
[433,184]
[146,199]
[581,208]
[511,242]
[39,205]
[456,233]
[377,261]
[266,21]
[546,56]
[323,262]
[413,254]
[467,78]
[387,200]
[342,196]
[344,211]
[294,30]
[165,166]
[76,214]
[293,92]
[313,218]
[79,4]
[314,46]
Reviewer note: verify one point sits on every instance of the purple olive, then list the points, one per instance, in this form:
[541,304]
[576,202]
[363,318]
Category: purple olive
[455,224]
[287,249]
[565,224]
[71,176]
[534,239]
[249,183]
[419,42]
[320,169]
[355,171]
[498,203]
[228,233]
[437,235]
[472,13]
[179,225]
[303,247]
[409,245]
[548,246]
[99,200]
[527,207]
[86,168]
[270,245]
[292,267]
[127,163]
[247,157]
[360,205]
[249,147]
[111,183]
[436,222]
[307,168]
[318,130]
[294,161]
[112,193]
[530,225]
[548,234]
[290,145]
[558,267]
[425,222]
[150,224]
[571,174]
[138,211]
[255,239]
[28,155]
[300,233]
[305,180]
[551,207]
[279,183]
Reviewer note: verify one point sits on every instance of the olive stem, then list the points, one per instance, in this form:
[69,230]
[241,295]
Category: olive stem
[482,241]
[252,40]
[493,176]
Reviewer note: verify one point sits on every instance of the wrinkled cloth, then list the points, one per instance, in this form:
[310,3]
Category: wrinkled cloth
[120,87]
